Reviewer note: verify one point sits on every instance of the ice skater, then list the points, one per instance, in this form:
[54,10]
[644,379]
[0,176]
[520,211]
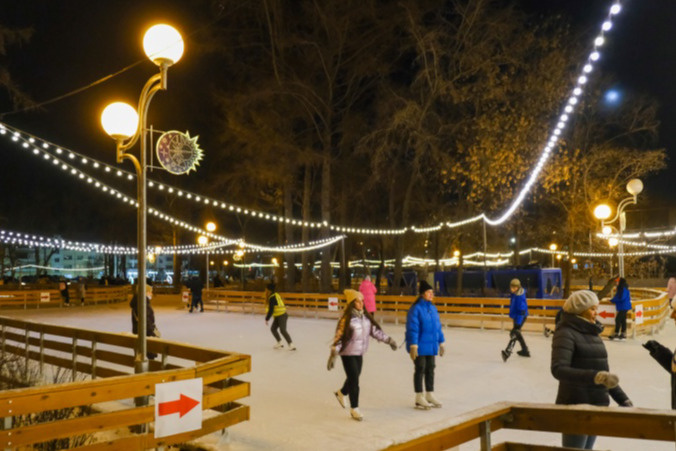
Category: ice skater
[518,311]
[351,343]
[622,301]
[424,340]
[277,310]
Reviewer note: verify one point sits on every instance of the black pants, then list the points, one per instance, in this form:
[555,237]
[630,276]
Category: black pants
[424,366]
[352,366]
[621,322]
[279,323]
[197,300]
[515,335]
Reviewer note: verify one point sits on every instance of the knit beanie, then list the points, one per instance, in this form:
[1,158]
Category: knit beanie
[424,286]
[515,283]
[351,295]
[580,301]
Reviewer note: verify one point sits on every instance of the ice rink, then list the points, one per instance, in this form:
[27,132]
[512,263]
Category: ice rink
[292,401]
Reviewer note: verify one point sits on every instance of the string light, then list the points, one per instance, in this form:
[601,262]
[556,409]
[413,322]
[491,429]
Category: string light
[53,268]
[553,140]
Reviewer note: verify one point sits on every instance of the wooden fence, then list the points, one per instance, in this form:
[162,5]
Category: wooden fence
[35,298]
[103,387]
[483,313]
[632,423]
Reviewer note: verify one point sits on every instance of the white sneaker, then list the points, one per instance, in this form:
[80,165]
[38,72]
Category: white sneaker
[434,402]
[356,414]
[421,403]
[279,345]
[341,398]
[292,347]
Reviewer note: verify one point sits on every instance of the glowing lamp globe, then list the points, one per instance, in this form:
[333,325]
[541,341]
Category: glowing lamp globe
[211,227]
[602,212]
[606,230]
[120,120]
[634,187]
[553,247]
[202,240]
[612,242]
[163,44]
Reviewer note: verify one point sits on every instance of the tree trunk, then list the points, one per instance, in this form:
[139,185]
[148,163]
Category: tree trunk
[290,283]
[280,271]
[306,256]
[326,272]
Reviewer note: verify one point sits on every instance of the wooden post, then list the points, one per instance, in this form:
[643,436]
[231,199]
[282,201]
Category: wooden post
[42,352]
[94,346]
[74,359]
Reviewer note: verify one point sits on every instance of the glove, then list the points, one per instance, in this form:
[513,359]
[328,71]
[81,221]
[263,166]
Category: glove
[610,380]
[393,344]
[652,346]
[627,403]
[332,359]
[413,352]
[442,350]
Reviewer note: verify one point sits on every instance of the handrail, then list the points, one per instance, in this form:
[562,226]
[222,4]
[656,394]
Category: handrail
[635,423]
[106,361]
[453,311]
[51,297]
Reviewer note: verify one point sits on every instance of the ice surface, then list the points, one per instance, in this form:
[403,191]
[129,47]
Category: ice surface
[292,401]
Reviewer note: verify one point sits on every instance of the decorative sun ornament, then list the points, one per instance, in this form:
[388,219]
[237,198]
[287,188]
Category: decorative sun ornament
[178,153]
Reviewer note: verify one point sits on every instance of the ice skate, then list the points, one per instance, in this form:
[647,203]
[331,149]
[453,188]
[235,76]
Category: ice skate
[356,414]
[622,337]
[505,355]
[279,345]
[292,347]
[524,353]
[421,403]
[434,402]
[341,398]
[547,331]
[613,336]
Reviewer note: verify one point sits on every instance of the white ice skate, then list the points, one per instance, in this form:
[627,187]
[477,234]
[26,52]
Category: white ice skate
[421,403]
[279,345]
[356,414]
[292,347]
[341,398]
[434,402]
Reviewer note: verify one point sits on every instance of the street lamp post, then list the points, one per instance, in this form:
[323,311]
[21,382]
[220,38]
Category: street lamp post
[604,211]
[211,227]
[164,46]
[553,247]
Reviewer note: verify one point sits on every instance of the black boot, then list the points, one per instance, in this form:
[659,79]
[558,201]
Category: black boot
[505,355]
[524,353]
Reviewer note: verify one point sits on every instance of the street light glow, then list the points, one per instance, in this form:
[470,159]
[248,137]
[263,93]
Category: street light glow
[211,227]
[602,211]
[606,230]
[163,44]
[119,120]
[634,187]
[202,240]
[553,247]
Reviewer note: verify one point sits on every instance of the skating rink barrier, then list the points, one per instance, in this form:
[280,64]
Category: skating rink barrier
[479,424]
[32,298]
[483,313]
[95,401]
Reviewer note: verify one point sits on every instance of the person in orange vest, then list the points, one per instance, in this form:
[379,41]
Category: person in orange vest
[277,310]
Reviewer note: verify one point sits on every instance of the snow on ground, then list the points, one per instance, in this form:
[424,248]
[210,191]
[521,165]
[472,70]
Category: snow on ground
[292,401]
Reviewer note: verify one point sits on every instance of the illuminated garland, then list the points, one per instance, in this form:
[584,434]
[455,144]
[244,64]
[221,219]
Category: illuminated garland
[553,140]
[52,268]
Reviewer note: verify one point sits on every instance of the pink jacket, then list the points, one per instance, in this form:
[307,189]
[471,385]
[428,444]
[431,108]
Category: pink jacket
[362,329]
[368,290]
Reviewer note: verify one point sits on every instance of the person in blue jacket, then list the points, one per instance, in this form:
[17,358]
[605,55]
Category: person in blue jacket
[518,311]
[622,301]
[424,340]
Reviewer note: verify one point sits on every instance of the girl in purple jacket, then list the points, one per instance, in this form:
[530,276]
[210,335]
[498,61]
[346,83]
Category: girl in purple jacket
[351,342]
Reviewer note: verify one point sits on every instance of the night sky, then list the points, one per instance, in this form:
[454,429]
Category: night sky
[78,42]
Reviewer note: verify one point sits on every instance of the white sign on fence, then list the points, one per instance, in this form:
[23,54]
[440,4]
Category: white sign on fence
[44,296]
[333,304]
[178,407]
[606,314]
[638,314]
[185,297]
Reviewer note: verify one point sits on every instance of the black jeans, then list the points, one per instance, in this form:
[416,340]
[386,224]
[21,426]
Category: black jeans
[621,322]
[279,323]
[515,335]
[424,366]
[352,366]
[196,300]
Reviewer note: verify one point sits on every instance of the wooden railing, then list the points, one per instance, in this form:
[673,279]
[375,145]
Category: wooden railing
[579,419]
[32,298]
[483,313]
[105,398]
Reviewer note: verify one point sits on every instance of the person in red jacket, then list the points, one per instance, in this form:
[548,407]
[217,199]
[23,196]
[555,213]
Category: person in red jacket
[368,290]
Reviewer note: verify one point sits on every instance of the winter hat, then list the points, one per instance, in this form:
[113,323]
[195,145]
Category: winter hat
[424,286]
[271,286]
[351,295]
[580,301]
[515,283]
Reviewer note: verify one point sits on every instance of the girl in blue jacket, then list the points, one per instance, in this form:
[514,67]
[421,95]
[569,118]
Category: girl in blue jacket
[424,340]
[622,301]
[518,311]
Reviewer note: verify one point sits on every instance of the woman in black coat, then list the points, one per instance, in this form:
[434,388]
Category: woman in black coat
[665,357]
[150,316]
[580,362]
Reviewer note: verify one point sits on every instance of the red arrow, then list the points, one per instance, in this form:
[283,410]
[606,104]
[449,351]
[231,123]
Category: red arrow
[639,313]
[180,406]
[605,314]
